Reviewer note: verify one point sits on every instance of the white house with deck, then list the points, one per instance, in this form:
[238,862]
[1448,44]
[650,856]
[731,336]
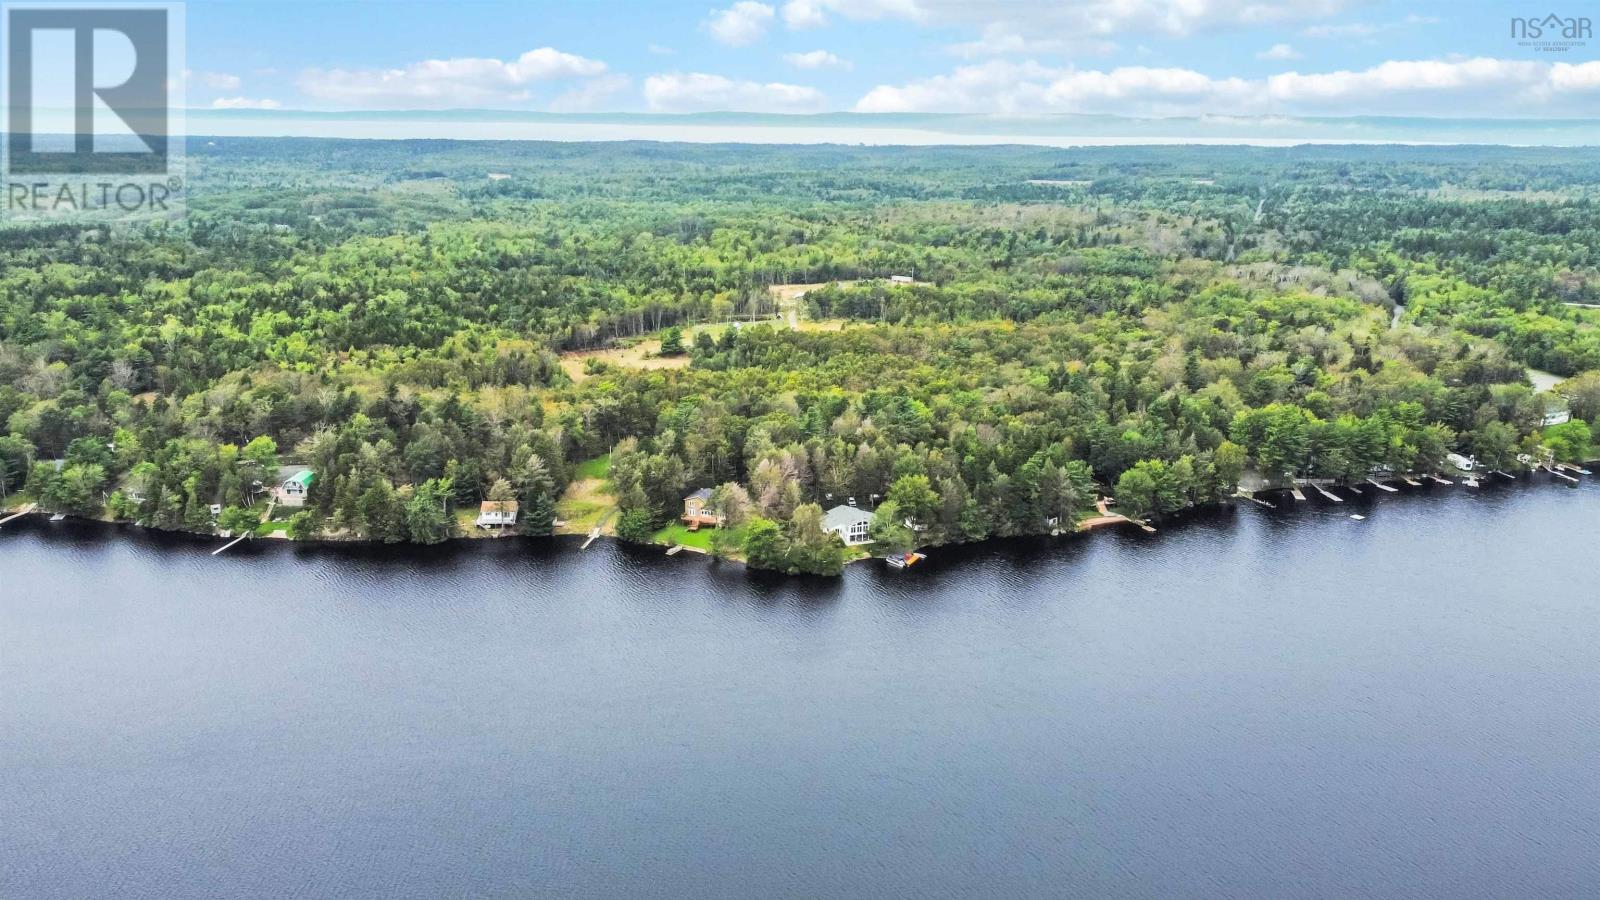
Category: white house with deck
[852,524]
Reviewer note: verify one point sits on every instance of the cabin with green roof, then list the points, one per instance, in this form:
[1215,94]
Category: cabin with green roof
[294,483]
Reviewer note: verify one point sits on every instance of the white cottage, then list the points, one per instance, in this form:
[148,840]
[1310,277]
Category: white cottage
[851,524]
[497,514]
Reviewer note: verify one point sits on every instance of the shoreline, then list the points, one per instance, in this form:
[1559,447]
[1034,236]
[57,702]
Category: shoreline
[212,542]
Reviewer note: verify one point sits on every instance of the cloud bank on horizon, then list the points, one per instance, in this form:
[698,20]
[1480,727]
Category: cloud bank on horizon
[1012,57]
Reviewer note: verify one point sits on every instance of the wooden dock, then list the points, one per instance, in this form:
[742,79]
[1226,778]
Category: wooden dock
[593,533]
[1327,494]
[1382,487]
[1437,480]
[1504,475]
[674,550]
[1297,494]
[1254,499]
[242,537]
[1561,475]
[1411,481]
[20,513]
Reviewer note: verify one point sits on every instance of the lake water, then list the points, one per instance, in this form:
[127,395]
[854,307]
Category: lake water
[1254,703]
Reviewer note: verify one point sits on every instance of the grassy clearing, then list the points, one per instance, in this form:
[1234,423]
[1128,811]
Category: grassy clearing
[599,467]
[679,533]
[586,503]
[639,356]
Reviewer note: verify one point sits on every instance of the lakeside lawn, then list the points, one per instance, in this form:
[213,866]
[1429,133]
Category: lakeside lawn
[599,467]
[679,533]
[587,502]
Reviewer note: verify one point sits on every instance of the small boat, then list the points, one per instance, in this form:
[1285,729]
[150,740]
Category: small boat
[902,560]
[1471,482]
[1359,518]
[58,517]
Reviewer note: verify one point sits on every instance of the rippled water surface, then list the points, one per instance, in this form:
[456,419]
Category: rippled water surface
[1254,703]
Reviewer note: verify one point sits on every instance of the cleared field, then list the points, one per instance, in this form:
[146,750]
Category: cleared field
[639,356]
[585,504]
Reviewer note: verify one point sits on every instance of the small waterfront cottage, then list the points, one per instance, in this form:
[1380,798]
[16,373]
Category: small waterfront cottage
[294,482]
[852,524]
[697,510]
[1463,463]
[901,279]
[497,513]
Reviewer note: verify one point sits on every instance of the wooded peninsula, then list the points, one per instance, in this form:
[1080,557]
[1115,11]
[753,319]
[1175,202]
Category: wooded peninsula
[792,355]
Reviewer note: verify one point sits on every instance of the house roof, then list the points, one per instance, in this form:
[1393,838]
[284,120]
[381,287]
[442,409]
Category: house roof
[494,506]
[702,494]
[844,517]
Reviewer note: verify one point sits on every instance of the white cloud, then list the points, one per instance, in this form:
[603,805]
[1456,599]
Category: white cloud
[221,81]
[1071,20]
[814,13]
[244,103]
[1013,88]
[741,24]
[699,92]
[804,14]
[1393,83]
[456,82]
[590,96]
[1001,39]
[1576,78]
[1398,87]
[658,50]
[816,59]
[1279,52]
[1366,29]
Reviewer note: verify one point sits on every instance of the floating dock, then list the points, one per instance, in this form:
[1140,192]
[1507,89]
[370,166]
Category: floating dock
[1411,481]
[1381,486]
[904,560]
[1504,475]
[674,550]
[1328,494]
[1296,493]
[593,533]
[1437,480]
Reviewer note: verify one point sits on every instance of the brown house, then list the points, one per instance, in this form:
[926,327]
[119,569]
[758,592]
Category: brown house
[697,510]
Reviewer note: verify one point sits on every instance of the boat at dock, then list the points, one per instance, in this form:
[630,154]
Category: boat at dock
[904,560]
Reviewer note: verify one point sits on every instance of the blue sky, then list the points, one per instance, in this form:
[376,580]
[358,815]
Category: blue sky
[1019,57]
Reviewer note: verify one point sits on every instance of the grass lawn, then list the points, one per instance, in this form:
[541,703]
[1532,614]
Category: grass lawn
[679,533]
[581,515]
[279,521]
[599,467]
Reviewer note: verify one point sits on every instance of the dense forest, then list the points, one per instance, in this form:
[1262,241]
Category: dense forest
[968,342]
